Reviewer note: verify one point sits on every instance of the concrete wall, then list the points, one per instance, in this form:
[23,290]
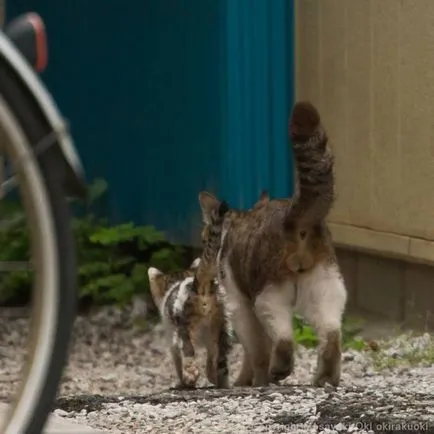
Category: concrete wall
[369,66]
[391,289]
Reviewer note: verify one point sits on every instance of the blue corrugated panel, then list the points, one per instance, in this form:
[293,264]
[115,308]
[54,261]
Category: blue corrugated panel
[169,97]
[259,95]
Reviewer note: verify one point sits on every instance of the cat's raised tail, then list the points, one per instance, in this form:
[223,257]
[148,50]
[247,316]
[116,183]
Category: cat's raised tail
[314,163]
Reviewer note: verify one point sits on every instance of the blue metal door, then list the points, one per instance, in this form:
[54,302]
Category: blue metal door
[260,91]
[169,97]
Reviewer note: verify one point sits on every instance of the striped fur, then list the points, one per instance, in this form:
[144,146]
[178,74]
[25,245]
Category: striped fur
[314,162]
[194,316]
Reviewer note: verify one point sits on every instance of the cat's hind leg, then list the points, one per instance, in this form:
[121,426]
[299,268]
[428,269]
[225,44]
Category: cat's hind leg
[321,300]
[273,307]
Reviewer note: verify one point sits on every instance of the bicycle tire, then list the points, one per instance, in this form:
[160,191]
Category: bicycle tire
[30,120]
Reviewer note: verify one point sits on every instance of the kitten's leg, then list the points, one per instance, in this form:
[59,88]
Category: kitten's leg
[190,373]
[321,300]
[175,348]
[177,360]
[273,307]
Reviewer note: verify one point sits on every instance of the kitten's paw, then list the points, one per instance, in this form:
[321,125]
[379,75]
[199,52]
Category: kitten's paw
[282,363]
[190,375]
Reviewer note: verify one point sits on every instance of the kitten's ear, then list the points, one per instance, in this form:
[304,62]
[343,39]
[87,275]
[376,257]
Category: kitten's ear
[209,204]
[156,285]
[195,264]
[154,273]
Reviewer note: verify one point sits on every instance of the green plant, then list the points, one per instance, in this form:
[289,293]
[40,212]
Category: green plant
[112,259]
[306,336]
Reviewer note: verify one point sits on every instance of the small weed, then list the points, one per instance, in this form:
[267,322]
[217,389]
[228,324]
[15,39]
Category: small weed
[112,259]
[407,351]
[306,336]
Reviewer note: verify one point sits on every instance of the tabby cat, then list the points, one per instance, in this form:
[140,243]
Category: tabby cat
[279,257]
[193,316]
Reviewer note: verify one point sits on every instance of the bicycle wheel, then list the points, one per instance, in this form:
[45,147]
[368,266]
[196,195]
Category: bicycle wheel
[41,183]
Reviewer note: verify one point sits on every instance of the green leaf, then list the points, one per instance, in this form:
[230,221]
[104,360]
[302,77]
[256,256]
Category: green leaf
[93,269]
[108,271]
[165,259]
[114,235]
[355,344]
[148,235]
[139,277]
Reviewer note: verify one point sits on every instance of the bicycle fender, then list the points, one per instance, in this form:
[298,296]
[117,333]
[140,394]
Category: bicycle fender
[74,175]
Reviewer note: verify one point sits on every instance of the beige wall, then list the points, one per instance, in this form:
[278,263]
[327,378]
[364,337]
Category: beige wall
[369,66]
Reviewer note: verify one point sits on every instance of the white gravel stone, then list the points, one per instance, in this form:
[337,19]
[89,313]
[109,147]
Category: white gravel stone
[109,357]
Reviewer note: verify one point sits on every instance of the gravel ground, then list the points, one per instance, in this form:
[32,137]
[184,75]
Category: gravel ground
[119,379]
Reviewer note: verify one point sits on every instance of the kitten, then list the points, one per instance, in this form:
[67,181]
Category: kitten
[194,315]
[278,257]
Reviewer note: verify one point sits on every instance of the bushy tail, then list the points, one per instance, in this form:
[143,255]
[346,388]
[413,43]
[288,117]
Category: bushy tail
[314,162]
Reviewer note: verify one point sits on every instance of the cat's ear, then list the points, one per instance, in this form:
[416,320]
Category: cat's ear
[264,197]
[209,205]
